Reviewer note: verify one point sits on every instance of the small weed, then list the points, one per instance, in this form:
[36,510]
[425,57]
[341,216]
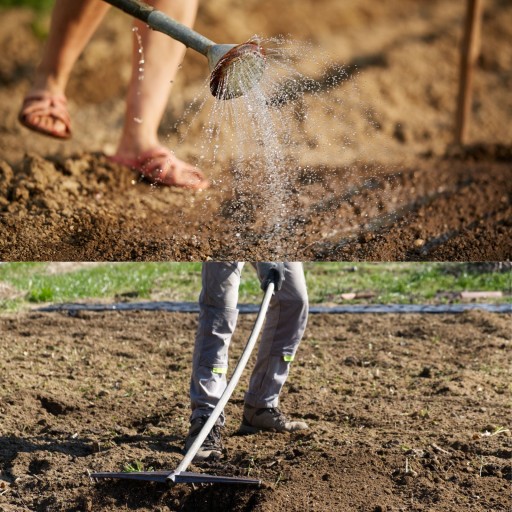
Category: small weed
[135,467]
[422,414]
[250,466]
[495,432]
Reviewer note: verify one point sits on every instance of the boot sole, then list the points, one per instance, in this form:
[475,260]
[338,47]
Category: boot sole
[247,429]
[209,456]
[203,455]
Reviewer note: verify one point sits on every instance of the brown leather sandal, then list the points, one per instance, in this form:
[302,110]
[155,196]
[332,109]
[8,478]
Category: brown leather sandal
[160,166]
[39,105]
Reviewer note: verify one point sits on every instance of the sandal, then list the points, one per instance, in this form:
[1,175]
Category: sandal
[160,166]
[42,105]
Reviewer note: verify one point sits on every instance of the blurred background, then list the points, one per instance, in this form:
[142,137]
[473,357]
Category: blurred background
[403,57]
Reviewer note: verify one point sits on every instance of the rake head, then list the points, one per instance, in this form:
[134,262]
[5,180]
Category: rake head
[170,477]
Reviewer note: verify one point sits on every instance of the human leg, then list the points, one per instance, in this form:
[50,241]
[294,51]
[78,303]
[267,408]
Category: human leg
[147,98]
[217,321]
[72,25]
[283,331]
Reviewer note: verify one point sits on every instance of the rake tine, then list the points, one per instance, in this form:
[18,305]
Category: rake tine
[200,478]
[186,477]
[145,476]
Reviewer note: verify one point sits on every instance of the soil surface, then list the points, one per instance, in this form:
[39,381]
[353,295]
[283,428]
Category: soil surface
[372,173]
[405,419]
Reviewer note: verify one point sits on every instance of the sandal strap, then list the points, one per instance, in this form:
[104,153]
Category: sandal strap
[46,104]
[55,107]
[156,164]
[45,95]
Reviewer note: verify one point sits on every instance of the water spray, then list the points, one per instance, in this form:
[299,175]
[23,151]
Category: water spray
[234,68]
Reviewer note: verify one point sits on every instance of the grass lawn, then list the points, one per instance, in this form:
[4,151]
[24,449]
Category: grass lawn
[26,284]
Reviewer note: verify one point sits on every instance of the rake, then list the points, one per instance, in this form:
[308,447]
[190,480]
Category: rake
[180,475]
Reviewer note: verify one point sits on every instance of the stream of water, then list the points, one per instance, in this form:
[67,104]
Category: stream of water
[255,148]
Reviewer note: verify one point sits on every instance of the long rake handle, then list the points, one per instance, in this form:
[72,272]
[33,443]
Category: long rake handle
[223,400]
[157,20]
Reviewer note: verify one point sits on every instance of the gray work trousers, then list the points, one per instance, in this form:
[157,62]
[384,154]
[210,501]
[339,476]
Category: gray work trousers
[282,332]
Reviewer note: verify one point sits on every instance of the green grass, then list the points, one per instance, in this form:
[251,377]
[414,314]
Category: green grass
[401,282]
[36,5]
[40,23]
[24,284]
[107,281]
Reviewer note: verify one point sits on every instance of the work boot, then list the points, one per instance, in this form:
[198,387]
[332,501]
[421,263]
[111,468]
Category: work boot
[268,419]
[211,448]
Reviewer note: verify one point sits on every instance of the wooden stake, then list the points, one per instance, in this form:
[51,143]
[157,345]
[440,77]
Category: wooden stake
[469,54]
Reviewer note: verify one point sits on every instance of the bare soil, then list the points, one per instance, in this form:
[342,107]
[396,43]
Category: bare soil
[375,178]
[404,414]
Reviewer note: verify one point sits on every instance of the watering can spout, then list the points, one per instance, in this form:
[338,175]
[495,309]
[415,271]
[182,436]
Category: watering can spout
[216,52]
[235,69]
